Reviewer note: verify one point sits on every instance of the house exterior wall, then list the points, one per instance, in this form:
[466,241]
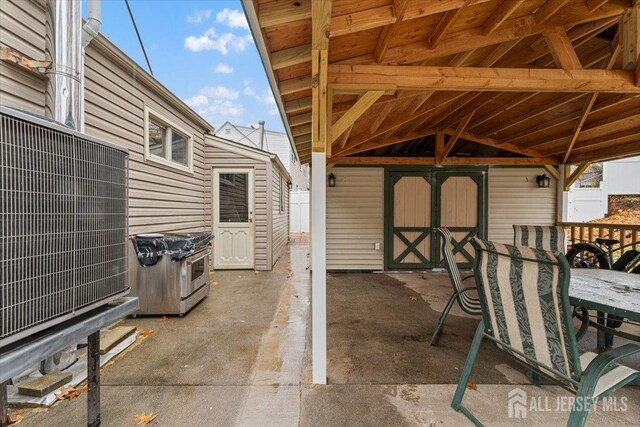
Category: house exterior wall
[620,177]
[22,25]
[161,199]
[279,213]
[514,198]
[355,219]
[216,157]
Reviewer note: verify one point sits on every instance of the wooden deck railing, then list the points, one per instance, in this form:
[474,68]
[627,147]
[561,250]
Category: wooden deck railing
[589,231]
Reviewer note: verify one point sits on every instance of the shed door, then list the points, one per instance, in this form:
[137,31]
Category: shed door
[233,225]
[411,221]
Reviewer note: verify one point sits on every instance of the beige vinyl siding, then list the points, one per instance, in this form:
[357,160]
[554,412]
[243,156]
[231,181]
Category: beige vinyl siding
[161,199]
[22,27]
[219,158]
[280,229]
[514,198]
[355,219]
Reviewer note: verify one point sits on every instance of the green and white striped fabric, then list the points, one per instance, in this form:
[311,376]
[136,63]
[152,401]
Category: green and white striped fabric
[544,237]
[524,295]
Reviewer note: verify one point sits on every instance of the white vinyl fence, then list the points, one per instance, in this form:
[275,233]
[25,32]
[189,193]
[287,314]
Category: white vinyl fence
[299,211]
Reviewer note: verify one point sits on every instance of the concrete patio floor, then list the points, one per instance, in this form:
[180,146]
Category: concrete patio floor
[242,357]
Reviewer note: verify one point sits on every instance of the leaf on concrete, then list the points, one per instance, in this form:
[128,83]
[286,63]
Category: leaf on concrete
[164,318]
[11,421]
[413,298]
[472,386]
[144,419]
[146,333]
[214,283]
[67,393]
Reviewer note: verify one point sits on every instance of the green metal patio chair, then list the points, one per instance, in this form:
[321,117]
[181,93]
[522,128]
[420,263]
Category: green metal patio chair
[545,237]
[468,303]
[524,294]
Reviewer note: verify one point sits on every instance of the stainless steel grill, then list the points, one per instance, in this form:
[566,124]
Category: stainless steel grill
[64,224]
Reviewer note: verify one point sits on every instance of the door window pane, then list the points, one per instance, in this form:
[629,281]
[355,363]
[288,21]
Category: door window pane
[156,139]
[179,148]
[234,197]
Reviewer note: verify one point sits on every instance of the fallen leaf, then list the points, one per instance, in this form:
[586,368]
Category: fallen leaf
[413,298]
[144,419]
[164,318]
[146,333]
[214,283]
[82,356]
[256,272]
[472,386]
[15,420]
[67,393]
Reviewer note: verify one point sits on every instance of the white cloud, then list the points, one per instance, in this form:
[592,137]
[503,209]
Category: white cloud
[211,41]
[268,99]
[249,91]
[232,18]
[216,104]
[224,69]
[199,16]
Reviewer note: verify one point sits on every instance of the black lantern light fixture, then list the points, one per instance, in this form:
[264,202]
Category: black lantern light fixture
[289,185]
[543,180]
[332,180]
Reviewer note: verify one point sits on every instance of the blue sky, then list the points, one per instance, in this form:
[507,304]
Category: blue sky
[202,51]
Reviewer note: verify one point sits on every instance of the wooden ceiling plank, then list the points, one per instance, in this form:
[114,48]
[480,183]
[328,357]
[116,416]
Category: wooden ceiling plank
[382,115]
[501,50]
[591,144]
[299,120]
[420,100]
[495,144]
[379,142]
[292,56]
[280,12]
[362,20]
[561,49]
[486,79]
[301,130]
[298,105]
[389,31]
[498,111]
[506,8]
[345,136]
[547,10]
[443,25]
[357,110]
[624,150]
[298,84]
[594,4]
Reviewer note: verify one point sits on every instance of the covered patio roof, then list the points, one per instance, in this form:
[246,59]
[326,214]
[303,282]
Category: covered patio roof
[528,82]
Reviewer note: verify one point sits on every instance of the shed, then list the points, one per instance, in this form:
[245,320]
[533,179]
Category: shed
[247,204]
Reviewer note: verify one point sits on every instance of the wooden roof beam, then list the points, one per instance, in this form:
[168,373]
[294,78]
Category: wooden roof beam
[485,79]
[389,31]
[573,176]
[298,105]
[292,56]
[409,160]
[389,140]
[299,120]
[547,10]
[506,8]
[498,111]
[631,41]
[594,4]
[496,144]
[454,137]
[382,115]
[298,84]
[561,49]
[608,140]
[443,25]
[619,151]
[357,110]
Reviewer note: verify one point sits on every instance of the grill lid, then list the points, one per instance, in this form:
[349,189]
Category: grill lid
[151,247]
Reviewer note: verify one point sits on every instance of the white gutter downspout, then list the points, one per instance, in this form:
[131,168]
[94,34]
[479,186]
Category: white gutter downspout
[90,30]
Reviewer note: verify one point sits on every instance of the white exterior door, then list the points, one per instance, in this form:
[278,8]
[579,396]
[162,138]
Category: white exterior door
[233,225]
[299,211]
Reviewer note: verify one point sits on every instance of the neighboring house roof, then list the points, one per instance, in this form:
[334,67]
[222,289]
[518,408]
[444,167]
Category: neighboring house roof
[106,47]
[246,150]
[251,136]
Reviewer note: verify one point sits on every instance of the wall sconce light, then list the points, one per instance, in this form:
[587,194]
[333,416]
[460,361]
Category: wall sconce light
[289,185]
[543,180]
[332,180]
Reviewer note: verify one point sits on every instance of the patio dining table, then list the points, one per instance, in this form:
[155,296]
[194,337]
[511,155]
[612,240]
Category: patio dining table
[613,294]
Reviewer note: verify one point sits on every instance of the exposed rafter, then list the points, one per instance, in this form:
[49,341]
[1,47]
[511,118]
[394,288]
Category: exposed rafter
[506,8]
[454,137]
[389,31]
[358,109]
[548,9]
[372,160]
[443,25]
[561,49]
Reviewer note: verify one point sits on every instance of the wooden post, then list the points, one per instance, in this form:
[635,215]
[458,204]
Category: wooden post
[93,379]
[631,41]
[320,123]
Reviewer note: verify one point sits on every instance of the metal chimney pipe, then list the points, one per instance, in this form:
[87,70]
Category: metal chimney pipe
[261,123]
[63,48]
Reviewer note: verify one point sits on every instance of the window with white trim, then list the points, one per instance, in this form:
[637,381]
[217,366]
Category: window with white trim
[166,143]
[283,185]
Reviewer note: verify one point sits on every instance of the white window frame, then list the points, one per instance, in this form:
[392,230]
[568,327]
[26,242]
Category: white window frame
[169,125]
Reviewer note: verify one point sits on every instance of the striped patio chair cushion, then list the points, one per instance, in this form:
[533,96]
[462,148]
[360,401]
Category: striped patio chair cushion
[468,303]
[524,294]
[544,237]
